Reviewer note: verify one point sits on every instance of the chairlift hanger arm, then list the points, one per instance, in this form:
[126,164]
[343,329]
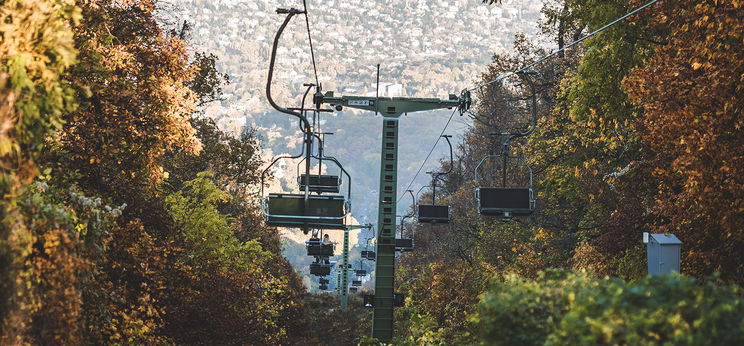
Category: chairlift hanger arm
[290,13]
[393,106]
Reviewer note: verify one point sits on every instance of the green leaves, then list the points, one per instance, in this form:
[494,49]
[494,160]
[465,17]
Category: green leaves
[563,308]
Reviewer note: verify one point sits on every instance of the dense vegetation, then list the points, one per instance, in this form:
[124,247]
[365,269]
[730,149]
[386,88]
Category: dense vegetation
[128,218]
[639,130]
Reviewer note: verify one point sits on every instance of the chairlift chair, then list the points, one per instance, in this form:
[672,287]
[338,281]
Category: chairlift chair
[323,281]
[353,289]
[361,272]
[308,210]
[433,213]
[356,283]
[323,287]
[403,244]
[507,201]
[368,255]
[320,269]
[317,247]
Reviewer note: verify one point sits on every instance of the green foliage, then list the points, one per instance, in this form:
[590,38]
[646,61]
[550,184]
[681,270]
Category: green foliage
[565,308]
[206,233]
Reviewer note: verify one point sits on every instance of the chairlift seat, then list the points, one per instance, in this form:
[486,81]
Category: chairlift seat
[361,272]
[288,210]
[356,283]
[320,269]
[433,213]
[320,183]
[368,255]
[404,245]
[323,281]
[323,287]
[317,247]
[501,200]
[352,289]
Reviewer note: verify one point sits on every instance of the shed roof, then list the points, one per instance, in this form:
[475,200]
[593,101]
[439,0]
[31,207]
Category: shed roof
[665,239]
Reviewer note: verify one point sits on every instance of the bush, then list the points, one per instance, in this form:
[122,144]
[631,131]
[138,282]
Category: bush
[566,308]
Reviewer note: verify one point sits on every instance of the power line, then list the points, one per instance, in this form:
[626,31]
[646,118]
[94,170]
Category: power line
[530,66]
[310,39]
[429,155]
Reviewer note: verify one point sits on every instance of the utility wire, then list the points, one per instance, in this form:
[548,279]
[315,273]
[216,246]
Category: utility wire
[429,155]
[530,66]
[310,39]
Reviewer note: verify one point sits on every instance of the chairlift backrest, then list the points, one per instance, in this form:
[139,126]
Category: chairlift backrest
[404,244]
[323,212]
[317,247]
[320,183]
[500,200]
[433,213]
[320,269]
[361,272]
[368,255]
[356,283]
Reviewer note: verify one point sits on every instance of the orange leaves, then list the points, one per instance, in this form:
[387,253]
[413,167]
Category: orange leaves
[693,126]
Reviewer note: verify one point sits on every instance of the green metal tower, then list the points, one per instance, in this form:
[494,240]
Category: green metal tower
[343,279]
[391,110]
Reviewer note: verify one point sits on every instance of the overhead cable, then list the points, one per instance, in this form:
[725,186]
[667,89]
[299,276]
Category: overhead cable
[536,62]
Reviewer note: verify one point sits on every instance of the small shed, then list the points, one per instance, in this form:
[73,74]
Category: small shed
[663,253]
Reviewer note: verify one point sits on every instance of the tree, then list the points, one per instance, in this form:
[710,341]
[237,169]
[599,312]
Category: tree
[691,94]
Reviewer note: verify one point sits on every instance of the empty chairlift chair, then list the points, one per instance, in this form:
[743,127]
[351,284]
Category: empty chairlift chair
[291,210]
[509,200]
[360,272]
[403,244]
[308,210]
[320,269]
[433,213]
[356,283]
[368,255]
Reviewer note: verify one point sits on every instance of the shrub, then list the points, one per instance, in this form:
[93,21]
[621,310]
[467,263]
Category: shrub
[567,308]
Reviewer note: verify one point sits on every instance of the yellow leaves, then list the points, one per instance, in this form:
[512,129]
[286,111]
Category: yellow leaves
[696,65]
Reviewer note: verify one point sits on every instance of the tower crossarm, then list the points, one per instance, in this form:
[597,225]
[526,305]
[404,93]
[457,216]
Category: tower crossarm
[392,107]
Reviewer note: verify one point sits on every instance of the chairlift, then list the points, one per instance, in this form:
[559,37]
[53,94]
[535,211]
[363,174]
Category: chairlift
[323,287]
[433,213]
[356,283]
[507,201]
[368,255]
[320,269]
[368,301]
[323,281]
[318,247]
[303,210]
[353,289]
[403,244]
[319,183]
[361,272]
